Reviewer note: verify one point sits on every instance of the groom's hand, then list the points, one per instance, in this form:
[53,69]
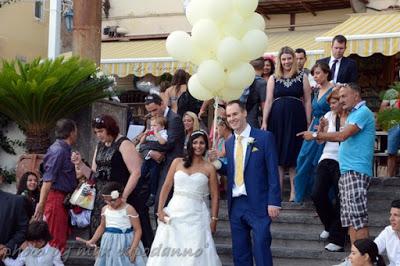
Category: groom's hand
[273,212]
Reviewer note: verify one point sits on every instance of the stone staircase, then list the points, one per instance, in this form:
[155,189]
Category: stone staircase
[295,234]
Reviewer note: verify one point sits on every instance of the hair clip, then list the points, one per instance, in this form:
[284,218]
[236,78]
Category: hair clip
[114,194]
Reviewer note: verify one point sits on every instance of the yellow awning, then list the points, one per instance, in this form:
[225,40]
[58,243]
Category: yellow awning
[367,34]
[297,39]
[139,58]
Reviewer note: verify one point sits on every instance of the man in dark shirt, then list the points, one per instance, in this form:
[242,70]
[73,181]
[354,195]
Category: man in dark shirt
[254,96]
[59,179]
[13,223]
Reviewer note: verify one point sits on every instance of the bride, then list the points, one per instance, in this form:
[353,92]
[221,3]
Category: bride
[183,236]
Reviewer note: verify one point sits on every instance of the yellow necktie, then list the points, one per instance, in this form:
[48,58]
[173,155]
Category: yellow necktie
[239,162]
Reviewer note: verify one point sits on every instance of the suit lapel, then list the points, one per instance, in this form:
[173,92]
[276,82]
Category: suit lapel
[342,69]
[249,149]
[231,146]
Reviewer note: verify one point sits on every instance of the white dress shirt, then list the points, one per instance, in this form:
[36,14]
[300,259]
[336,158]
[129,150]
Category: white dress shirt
[389,240]
[334,78]
[331,149]
[241,190]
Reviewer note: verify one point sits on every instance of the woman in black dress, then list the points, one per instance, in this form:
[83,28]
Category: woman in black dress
[116,160]
[28,187]
[287,111]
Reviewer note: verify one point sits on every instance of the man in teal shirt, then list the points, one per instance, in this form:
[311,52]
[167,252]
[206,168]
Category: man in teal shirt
[356,153]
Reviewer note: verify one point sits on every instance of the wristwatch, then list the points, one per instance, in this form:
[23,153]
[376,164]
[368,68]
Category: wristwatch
[315,135]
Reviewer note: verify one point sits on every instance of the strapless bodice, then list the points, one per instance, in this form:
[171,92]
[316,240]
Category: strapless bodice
[195,184]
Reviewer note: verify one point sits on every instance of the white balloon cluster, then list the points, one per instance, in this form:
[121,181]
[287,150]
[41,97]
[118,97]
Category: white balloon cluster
[226,35]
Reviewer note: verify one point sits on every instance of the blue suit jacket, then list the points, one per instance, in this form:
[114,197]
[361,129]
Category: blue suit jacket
[261,176]
[347,70]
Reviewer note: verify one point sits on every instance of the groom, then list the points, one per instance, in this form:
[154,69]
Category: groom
[254,195]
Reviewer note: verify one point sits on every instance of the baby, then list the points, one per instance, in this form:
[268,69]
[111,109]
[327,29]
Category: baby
[153,139]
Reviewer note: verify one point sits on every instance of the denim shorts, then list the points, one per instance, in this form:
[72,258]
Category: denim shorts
[393,140]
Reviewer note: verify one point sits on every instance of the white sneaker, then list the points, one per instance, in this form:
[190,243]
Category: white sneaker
[334,248]
[324,234]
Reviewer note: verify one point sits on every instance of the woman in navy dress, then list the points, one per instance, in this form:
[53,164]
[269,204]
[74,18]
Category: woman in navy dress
[311,151]
[287,111]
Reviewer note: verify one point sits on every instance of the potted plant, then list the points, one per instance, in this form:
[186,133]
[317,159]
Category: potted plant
[390,116]
[36,94]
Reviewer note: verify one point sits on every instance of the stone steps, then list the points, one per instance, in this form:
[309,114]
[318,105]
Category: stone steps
[295,234]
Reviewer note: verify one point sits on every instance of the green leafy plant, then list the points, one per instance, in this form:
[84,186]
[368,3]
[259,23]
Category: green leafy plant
[9,176]
[36,94]
[7,144]
[390,117]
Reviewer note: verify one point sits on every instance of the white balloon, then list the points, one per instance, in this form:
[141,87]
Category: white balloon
[233,25]
[245,7]
[205,34]
[197,90]
[199,55]
[255,43]
[228,94]
[229,52]
[240,77]
[196,11]
[255,22]
[179,46]
[211,74]
[218,9]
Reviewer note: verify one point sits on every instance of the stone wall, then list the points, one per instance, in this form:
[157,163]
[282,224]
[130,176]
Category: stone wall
[86,139]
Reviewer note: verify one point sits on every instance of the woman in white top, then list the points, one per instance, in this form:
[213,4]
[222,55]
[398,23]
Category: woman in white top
[327,177]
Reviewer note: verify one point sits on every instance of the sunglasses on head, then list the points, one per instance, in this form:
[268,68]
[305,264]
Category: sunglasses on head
[341,85]
[149,98]
[98,122]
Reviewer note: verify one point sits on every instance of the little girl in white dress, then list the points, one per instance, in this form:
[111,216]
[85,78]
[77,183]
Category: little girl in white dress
[120,231]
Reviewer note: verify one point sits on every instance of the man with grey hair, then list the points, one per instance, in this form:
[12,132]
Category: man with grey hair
[356,153]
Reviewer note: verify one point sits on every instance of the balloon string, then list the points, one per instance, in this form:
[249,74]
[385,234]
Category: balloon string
[215,122]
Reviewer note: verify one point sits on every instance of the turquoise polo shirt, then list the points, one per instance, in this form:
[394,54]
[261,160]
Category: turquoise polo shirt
[356,152]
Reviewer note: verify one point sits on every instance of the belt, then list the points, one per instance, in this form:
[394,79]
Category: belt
[288,97]
[58,191]
[115,230]
[191,195]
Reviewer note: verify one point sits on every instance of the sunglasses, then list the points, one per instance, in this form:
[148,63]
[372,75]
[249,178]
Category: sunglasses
[340,85]
[149,98]
[98,122]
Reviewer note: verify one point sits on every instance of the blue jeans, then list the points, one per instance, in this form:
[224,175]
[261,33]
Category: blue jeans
[393,140]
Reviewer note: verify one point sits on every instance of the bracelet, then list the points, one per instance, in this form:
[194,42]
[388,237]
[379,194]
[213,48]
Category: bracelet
[214,218]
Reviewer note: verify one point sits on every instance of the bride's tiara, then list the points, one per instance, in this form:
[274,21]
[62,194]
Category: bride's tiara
[199,132]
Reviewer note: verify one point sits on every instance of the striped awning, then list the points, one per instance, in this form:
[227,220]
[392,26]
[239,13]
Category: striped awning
[367,34]
[297,39]
[139,58]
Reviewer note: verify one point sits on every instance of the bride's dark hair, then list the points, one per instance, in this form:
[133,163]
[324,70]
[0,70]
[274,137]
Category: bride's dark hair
[188,160]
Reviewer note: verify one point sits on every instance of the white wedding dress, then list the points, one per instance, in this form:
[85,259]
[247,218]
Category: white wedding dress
[186,239]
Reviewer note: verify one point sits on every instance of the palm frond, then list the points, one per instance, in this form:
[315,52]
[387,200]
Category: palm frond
[36,94]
